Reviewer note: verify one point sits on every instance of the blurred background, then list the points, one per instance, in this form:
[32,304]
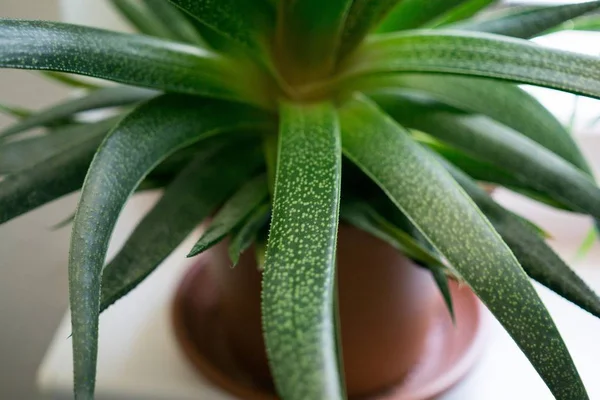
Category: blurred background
[33,277]
[33,256]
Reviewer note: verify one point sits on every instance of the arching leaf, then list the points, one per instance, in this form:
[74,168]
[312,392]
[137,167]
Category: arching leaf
[473,54]
[504,102]
[537,258]
[437,206]
[196,192]
[142,140]
[132,59]
[52,177]
[526,160]
[101,98]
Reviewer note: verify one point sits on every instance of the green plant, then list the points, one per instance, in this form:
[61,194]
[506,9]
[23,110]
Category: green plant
[256,111]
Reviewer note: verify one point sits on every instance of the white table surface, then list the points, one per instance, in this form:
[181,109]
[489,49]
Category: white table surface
[140,360]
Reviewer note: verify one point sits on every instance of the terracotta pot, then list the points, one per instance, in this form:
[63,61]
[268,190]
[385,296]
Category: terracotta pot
[386,306]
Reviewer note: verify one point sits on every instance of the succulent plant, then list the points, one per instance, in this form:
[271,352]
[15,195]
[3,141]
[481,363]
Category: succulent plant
[249,110]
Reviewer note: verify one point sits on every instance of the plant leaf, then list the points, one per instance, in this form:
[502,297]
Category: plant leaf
[14,111]
[477,168]
[461,12]
[526,160]
[247,23]
[339,348]
[503,102]
[427,194]
[528,22]
[363,16]
[441,281]
[298,279]
[242,238]
[173,19]
[474,54]
[270,145]
[233,213]
[536,257]
[486,172]
[587,244]
[410,14]
[63,223]
[150,62]
[196,191]
[70,80]
[586,23]
[142,140]
[21,154]
[308,37]
[55,176]
[142,19]
[101,98]
[362,216]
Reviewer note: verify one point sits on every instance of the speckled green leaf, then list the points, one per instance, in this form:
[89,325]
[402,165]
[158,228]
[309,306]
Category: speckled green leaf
[536,257]
[233,213]
[173,19]
[299,273]
[504,102]
[435,203]
[461,12]
[101,98]
[475,54]
[242,237]
[54,177]
[141,141]
[308,36]
[363,16]
[410,14]
[484,171]
[528,22]
[196,192]
[477,168]
[245,22]
[131,59]
[505,148]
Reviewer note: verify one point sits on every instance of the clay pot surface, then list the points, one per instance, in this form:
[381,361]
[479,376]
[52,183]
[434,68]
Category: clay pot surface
[389,308]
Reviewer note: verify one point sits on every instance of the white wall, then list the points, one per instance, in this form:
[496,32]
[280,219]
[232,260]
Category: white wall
[33,279]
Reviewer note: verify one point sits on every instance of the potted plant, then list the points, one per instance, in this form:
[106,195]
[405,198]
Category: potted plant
[247,112]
